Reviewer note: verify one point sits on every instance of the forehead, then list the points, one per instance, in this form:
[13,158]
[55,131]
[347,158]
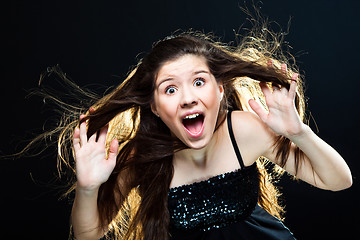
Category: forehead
[184,65]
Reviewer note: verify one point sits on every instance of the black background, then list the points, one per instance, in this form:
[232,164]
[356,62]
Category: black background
[96,42]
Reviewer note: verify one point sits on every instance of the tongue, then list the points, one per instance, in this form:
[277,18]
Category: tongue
[193,125]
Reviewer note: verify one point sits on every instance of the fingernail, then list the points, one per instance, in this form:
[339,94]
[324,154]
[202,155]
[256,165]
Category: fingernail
[295,76]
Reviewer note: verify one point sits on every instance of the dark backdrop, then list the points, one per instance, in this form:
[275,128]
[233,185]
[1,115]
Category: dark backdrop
[96,42]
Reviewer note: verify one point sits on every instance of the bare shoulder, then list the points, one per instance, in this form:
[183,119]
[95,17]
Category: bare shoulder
[249,125]
[252,135]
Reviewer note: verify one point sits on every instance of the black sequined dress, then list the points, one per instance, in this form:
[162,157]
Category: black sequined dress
[223,207]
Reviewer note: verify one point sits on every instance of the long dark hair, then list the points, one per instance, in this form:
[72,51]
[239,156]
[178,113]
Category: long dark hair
[144,164]
[133,202]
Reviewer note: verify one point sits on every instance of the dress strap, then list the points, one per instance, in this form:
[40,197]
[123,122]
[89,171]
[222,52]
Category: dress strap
[233,141]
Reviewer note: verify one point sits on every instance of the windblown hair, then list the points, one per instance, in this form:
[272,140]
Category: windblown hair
[133,202]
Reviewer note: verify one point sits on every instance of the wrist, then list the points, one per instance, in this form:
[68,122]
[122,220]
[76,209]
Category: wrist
[87,191]
[304,132]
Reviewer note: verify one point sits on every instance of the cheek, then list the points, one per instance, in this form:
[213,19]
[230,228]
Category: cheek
[167,107]
[212,97]
[169,117]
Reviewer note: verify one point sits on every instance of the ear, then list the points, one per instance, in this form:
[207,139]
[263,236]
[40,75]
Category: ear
[221,90]
[153,109]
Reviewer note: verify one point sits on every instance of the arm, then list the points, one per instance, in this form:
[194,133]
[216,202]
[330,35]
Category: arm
[92,169]
[322,167]
[85,216]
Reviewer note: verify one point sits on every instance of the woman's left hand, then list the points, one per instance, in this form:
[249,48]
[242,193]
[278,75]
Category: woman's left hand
[282,117]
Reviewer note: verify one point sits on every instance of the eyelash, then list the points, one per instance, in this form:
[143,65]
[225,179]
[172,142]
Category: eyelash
[194,84]
[168,88]
[197,80]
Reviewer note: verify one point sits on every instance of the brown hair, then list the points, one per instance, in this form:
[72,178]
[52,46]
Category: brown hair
[133,202]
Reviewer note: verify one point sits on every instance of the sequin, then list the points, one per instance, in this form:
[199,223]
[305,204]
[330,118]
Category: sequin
[214,203]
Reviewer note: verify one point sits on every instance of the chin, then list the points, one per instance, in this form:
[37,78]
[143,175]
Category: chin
[198,144]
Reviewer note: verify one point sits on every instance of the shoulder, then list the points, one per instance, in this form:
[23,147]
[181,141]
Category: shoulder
[249,124]
[251,134]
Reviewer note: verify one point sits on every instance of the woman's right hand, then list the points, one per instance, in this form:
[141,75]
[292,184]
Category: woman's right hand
[92,166]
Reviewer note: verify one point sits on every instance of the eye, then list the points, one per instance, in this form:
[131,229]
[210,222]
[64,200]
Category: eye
[170,90]
[199,82]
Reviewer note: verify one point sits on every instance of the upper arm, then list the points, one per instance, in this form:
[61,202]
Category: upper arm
[255,139]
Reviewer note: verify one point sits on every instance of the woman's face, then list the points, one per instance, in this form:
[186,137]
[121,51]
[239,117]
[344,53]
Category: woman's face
[187,99]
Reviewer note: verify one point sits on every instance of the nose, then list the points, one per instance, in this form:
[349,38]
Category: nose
[188,99]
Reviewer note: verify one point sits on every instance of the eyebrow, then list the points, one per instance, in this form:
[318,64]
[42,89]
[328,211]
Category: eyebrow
[171,78]
[201,71]
[165,80]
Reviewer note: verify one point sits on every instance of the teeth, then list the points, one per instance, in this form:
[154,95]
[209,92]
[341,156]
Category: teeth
[192,116]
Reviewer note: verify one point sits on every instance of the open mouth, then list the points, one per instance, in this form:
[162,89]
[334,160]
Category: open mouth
[194,123]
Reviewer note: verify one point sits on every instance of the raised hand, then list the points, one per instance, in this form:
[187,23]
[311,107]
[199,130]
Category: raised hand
[282,117]
[92,166]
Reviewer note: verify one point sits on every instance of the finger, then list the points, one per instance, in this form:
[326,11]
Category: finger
[283,90]
[293,86]
[283,68]
[260,111]
[294,77]
[275,88]
[93,137]
[113,150]
[102,134]
[76,140]
[82,116]
[265,89]
[267,93]
[83,136]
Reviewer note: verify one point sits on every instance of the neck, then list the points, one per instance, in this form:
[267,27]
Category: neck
[197,157]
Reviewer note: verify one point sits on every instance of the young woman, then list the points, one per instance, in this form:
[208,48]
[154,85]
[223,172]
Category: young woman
[177,151]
